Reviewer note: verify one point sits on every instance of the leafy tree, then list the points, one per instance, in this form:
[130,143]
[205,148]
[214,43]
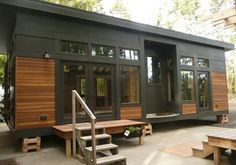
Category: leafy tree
[88,5]
[2,66]
[187,7]
[119,10]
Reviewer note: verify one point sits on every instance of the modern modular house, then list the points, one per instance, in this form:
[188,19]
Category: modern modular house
[122,69]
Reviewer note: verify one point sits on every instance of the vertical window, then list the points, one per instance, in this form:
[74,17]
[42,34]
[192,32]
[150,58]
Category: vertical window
[187,61]
[130,84]
[74,78]
[201,62]
[105,51]
[74,47]
[187,82]
[129,54]
[154,70]
[203,89]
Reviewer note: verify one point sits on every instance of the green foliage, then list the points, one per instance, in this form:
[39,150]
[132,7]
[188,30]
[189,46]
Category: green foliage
[2,66]
[187,7]
[88,5]
[119,10]
[133,129]
[216,5]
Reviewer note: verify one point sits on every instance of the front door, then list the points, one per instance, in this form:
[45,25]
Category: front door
[94,83]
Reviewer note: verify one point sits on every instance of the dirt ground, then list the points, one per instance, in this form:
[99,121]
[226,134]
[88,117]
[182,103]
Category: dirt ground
[165,134]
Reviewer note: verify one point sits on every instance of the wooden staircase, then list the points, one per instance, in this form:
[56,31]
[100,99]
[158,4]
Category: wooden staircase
[203,150]
[106,152]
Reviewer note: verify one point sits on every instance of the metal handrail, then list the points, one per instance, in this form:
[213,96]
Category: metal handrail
[75,96]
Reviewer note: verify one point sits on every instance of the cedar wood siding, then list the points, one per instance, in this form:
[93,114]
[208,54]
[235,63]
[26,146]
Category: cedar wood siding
[219,91]
[35,92]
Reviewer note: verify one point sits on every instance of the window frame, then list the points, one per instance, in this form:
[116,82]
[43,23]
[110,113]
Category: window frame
[139,86]
[102,45]
[129,49]
[72,53]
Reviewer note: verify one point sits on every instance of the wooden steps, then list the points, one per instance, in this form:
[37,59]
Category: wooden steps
[103,147]
[202,151]
[99,136]
[111,160]
[106,152]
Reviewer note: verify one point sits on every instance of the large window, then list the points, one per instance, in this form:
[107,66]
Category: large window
[74,47]
[105,51]
[129,54]
[130,84]
[203,89]
[187,82]
[187,61]
[154,69]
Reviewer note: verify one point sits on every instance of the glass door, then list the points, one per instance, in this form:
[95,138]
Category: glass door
[94,83]
[74,78]
[102,90]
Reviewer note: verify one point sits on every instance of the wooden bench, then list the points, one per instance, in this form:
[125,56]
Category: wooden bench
[111,127]
[224,139]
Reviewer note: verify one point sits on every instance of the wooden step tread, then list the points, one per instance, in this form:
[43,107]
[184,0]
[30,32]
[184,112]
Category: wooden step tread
[99,136]
[110,159]
[86,128]
[200,148]
[103,147]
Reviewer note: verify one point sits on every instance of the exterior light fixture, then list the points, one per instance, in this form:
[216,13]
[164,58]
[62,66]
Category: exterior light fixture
[46,54]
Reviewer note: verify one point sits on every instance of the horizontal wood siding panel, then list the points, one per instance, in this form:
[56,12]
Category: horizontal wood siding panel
[219,91]
[131,113]
[35,92]
[189,108]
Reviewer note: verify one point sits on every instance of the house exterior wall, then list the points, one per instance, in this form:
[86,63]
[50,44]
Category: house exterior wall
[39,32]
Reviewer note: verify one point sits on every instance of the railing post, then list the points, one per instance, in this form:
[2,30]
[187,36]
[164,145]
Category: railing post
[93,141]
[73,122]
[75,96]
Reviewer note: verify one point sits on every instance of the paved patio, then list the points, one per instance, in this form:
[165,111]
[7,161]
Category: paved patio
[165,134]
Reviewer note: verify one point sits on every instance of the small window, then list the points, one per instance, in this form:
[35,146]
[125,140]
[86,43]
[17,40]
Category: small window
[187,82]
[129,54]
[187,61]
[201,62]
[105,51]
[130,84]
[74,47]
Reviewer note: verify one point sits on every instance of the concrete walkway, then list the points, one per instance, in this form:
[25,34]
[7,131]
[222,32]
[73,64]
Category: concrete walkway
[165,134]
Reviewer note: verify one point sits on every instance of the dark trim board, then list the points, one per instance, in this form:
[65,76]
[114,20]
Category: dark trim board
[99,18]
[118,84]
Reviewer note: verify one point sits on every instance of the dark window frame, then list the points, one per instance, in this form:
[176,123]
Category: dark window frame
[139,86]
[75,42]
[104,46]
[123,57]
[185,65]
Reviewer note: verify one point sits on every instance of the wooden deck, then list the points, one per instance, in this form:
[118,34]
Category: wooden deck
[224,139]
[111,127]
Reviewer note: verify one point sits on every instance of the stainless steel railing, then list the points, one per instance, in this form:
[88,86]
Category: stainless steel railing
[76,96]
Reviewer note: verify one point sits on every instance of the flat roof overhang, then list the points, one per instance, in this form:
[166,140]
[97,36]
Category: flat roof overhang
[100,18]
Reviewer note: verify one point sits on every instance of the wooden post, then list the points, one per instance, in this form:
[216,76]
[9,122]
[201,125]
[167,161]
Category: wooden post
[141,141]
[68,148]
[216,152]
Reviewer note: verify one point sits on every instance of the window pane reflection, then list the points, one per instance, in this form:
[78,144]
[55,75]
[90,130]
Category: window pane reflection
[187,82]
[154,69]
[203,89]
[188,61]
[130,84]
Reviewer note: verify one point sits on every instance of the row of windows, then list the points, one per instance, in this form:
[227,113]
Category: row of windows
[98,50]
[188,61]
